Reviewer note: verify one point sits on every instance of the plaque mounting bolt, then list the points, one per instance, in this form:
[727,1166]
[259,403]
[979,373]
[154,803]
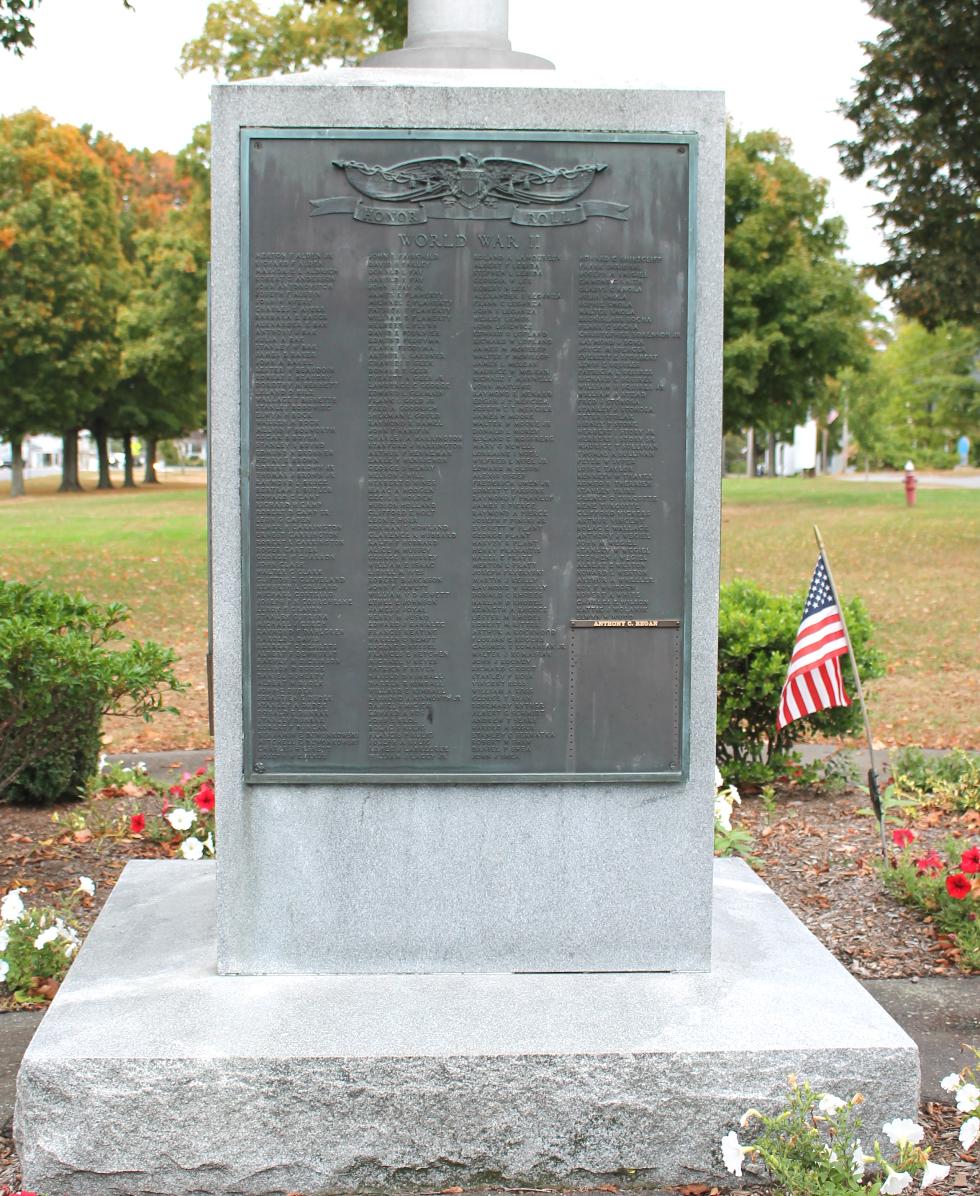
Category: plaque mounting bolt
[259,766]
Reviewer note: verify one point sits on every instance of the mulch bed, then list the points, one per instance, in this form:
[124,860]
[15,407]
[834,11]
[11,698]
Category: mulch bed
[816,851]
[820,855]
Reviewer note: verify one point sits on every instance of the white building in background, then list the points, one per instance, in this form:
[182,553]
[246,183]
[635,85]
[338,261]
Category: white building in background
[804,452]
[43,453]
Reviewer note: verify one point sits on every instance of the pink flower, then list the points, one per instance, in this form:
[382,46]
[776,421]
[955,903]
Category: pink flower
[970,860]
[137,824]
[902,836]
[957,886]
[201,772]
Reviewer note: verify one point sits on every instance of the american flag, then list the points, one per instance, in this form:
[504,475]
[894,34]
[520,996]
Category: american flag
[814,679]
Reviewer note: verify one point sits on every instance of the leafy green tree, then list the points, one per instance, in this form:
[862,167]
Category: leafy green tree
[61,278]
[17,24]
[148,188]
[163,324]
[240,41]
[916,107]
[794,309]
[389,20]
[920,395]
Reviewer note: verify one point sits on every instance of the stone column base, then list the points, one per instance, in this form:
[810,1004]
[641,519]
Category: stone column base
[152,1074]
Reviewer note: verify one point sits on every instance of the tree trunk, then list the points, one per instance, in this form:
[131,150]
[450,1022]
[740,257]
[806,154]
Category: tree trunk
[16,467]
[825,455]
[750,452]
[150,473]
[771,454]
[128,479]
[102,444]
[69,461]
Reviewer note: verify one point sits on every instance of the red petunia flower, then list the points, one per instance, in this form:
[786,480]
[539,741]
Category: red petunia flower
[957,886]
[902,836]
[176,791]
[201,771]
[137,824]
[970,860]
[930,862]
[204,799]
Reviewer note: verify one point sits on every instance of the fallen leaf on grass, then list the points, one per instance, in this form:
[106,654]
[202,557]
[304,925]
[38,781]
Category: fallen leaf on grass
[450,1191]
[13,837]
[83,836]
[693,1190]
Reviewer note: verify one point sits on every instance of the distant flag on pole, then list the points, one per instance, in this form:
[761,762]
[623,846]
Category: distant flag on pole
[814,680]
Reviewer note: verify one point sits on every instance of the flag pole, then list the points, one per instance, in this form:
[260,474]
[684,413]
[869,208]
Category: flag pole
[872,771]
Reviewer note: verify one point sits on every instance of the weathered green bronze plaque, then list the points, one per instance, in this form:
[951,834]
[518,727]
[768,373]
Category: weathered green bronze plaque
[466,455]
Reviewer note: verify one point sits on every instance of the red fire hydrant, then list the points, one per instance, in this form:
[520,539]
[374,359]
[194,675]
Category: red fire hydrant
[911,482]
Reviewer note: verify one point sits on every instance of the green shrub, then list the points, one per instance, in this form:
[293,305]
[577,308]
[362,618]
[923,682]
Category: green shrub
[756,633]
[60,675]
[952,780]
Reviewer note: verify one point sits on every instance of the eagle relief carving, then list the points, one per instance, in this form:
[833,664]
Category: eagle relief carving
[467,187]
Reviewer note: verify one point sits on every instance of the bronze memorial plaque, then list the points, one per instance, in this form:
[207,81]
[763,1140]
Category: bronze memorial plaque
[466,454]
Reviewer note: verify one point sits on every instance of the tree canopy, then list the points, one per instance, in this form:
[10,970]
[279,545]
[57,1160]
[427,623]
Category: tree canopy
[61,276]
[241,41]
[916,107]
[919,396]
[794,309]
[17,24]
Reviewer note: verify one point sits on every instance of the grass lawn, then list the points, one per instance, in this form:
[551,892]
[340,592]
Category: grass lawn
[146,547]
[917,570]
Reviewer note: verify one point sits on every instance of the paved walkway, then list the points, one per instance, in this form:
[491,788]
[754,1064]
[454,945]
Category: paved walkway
[966,479]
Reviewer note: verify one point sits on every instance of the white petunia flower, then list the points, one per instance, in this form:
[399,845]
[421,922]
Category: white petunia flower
[4,939]
[858,1159]
[719,779]
[87,885]
[932,1173]
[4,969]
[732,1152]
[141,767]
[11,907]
[723,812]
[951,1082]
[103,761]
[968,1098]
[830,1104]
[831,1154]
[969,1132]
[903,1131]
[46,936]
[209,844]
[180,819]
[192,849]
[896,1182]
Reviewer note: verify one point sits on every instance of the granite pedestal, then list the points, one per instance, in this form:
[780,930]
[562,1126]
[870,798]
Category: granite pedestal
[449,877]
[151,1073]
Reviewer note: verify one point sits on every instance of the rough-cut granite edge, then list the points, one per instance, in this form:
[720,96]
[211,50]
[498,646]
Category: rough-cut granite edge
[151,1074]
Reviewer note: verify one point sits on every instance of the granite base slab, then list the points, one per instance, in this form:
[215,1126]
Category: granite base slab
[153,1074]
